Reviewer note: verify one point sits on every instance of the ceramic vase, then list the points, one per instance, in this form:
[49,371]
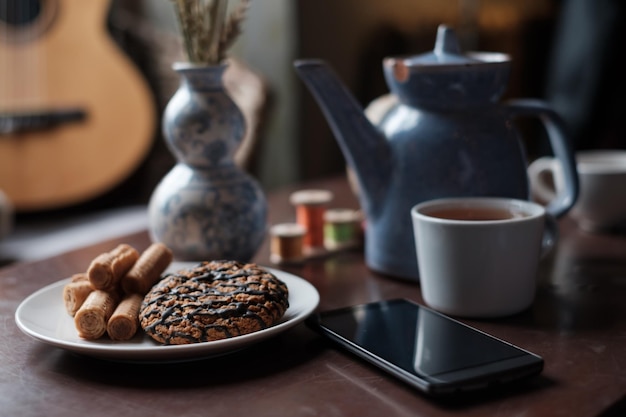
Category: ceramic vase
[206,207]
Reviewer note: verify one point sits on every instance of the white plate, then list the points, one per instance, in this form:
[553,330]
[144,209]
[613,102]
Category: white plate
[42,315]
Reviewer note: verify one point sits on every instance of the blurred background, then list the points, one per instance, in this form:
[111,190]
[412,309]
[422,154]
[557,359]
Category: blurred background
[568,52]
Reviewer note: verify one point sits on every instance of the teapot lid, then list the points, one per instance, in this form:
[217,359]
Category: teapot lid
[446,76]
[447,51]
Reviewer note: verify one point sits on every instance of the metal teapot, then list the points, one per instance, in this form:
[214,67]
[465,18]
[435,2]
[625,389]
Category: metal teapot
[446,136]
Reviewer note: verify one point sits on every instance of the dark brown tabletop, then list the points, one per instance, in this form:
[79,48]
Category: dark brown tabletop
[577,324]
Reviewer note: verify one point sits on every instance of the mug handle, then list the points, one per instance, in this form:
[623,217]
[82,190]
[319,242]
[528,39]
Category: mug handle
[538,173]
[559,140]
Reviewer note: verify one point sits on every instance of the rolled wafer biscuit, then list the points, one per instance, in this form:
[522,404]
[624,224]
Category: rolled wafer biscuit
[75,293]
[123,324]
[147,270]
[79,277]
[107,269]
[92,317]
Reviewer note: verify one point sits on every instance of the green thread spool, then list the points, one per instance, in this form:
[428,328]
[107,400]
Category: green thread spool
[341,228]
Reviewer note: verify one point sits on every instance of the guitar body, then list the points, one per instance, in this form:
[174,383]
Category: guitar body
[64,59]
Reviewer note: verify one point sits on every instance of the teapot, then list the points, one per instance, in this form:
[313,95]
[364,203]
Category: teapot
[446,136]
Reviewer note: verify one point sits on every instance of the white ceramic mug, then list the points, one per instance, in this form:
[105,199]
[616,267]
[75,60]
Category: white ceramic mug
[601,202]
[478,257]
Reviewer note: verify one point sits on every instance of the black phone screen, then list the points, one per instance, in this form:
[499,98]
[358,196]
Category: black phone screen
[430,346]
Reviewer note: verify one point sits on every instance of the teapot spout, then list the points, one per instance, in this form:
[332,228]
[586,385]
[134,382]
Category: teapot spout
[365,148]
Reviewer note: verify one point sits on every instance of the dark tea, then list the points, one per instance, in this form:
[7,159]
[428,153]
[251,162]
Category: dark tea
[474,213]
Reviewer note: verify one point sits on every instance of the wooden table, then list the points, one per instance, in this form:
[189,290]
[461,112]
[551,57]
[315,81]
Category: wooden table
[578,324]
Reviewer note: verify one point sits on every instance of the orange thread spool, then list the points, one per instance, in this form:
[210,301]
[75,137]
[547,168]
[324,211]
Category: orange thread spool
[310,208]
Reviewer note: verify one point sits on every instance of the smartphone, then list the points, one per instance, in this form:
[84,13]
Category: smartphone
[424,348]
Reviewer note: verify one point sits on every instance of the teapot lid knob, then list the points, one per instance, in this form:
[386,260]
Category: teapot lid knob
[447,51]
[447,42]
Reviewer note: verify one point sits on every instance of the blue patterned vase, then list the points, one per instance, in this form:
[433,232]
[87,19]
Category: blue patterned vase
[206,207]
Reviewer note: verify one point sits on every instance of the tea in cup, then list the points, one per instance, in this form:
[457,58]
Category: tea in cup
[478,257]
[601,203]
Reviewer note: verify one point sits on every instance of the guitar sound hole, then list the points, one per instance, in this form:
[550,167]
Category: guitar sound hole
[19,12]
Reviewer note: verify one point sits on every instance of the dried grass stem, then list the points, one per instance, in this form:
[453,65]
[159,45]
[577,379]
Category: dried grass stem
[207,32]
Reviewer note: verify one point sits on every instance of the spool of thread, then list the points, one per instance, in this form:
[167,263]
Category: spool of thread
[341,228]
[310,208]
[286,243]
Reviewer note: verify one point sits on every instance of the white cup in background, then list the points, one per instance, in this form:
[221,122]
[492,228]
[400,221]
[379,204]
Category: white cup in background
[478,257]
[601,203]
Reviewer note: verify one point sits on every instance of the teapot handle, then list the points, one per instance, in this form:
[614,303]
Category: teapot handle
[559,140]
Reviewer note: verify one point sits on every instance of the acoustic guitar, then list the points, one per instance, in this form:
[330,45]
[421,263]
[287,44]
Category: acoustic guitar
[76,117]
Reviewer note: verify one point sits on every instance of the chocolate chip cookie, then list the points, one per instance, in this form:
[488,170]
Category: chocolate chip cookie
[212,301]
